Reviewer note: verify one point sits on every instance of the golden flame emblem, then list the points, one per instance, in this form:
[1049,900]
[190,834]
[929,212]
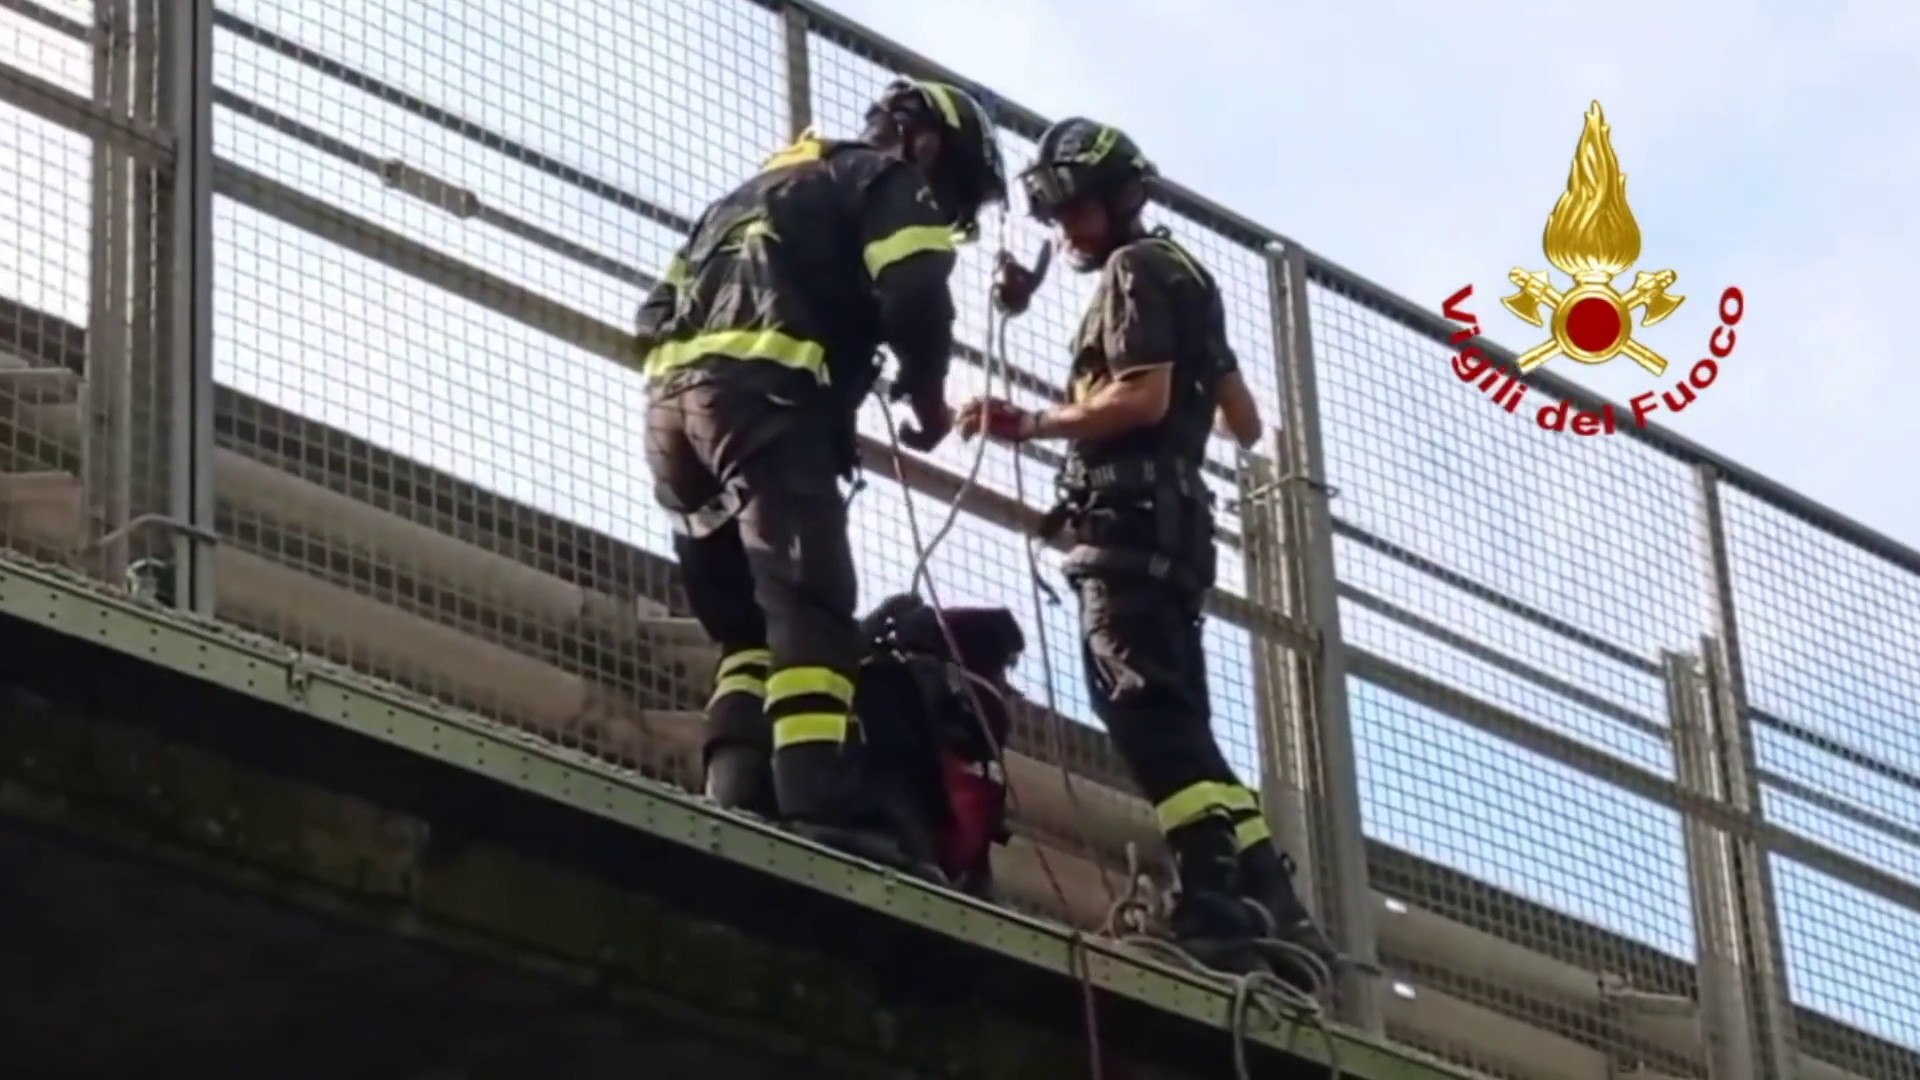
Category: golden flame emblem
[1592,237]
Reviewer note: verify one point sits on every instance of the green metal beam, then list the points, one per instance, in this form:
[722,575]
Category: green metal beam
[264,835]
[283,679]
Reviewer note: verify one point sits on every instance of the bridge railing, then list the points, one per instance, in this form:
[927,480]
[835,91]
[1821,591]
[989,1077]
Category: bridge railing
[315,322]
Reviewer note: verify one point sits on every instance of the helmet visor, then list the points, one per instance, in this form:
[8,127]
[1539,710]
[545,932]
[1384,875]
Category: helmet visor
[1050,187]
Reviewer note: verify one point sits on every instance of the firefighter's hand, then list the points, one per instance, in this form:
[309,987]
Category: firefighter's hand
[932,420]
[1014,284]
[996,419]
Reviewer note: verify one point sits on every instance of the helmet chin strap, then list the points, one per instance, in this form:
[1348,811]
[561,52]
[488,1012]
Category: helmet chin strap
[1132,229]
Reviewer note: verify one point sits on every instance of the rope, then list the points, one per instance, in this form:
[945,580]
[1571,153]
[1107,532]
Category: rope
[923,578]
[1132,916]
[1259,995]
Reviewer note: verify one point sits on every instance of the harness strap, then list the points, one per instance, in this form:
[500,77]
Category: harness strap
[1173,490]
[1090,560]
[714,514]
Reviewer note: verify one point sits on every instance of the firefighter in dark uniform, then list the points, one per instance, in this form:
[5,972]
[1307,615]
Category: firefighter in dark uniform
[1151,368]
[759,345]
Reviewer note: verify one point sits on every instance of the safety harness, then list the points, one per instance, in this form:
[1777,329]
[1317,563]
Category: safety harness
[1102,506]
[1106,500]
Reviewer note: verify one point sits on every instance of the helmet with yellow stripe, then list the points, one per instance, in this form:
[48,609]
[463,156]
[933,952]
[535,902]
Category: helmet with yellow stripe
[962,164]
[1083,159]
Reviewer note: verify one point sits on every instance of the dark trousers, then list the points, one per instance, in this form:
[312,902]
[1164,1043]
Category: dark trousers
[767,566]
[1146,671]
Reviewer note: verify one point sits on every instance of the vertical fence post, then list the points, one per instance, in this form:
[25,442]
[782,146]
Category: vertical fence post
[1344,882]
[799,71]
[1726,1037]
[138,448]
[1773,1022]
[106,451]
[1284,778]
[187,76]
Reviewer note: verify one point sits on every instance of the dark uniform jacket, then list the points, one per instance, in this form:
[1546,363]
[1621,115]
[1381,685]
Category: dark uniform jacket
[1143,489]
[794,279]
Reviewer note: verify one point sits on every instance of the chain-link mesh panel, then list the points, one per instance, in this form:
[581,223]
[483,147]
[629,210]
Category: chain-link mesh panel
[85,403]
[1828,633]
[1851,956]
[1505,579]
[46,197]
[436,224]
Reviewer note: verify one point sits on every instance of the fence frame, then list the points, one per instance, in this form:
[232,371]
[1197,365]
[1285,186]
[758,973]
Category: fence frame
[187,81]
[1302,661]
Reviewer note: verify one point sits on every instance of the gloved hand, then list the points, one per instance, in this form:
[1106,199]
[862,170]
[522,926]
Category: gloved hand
[997,419]
[1014,284]
[932,419]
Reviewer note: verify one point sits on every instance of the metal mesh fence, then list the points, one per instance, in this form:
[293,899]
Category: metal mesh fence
[1540,575]
[1828,633]
[85,301]
[431,227]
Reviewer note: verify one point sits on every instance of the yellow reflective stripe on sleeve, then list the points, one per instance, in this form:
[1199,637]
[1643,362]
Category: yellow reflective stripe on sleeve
[911,240]
[676,274]
[1196,801]
[737,684]
[799,681]
[769,345]
[1251,832]
[733,662]
[810,728]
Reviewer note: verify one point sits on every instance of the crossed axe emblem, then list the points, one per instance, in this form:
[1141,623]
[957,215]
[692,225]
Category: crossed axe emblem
[1649,292]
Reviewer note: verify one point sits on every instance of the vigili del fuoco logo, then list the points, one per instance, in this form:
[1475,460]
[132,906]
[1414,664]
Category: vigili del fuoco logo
[1592,237]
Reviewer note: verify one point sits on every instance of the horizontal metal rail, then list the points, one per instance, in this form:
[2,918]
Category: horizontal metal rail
[58,22]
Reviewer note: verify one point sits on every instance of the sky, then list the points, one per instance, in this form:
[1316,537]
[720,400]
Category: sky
[1766,149]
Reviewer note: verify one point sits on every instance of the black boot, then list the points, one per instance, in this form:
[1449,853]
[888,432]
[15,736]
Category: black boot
[826,794]
[1267,879]
[741,778]
[872,842]
[1212,921]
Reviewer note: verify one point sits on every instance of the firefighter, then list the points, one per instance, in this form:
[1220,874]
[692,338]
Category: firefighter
[1151,371]
[758,345]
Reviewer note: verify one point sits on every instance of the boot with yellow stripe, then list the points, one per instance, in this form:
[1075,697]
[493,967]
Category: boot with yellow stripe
[738,750]
[1212,921]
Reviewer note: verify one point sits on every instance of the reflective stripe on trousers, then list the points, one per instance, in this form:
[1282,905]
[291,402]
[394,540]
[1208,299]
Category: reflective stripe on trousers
[1195,801]
[809,705]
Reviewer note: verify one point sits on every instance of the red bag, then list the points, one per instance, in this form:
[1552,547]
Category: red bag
[977,799]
